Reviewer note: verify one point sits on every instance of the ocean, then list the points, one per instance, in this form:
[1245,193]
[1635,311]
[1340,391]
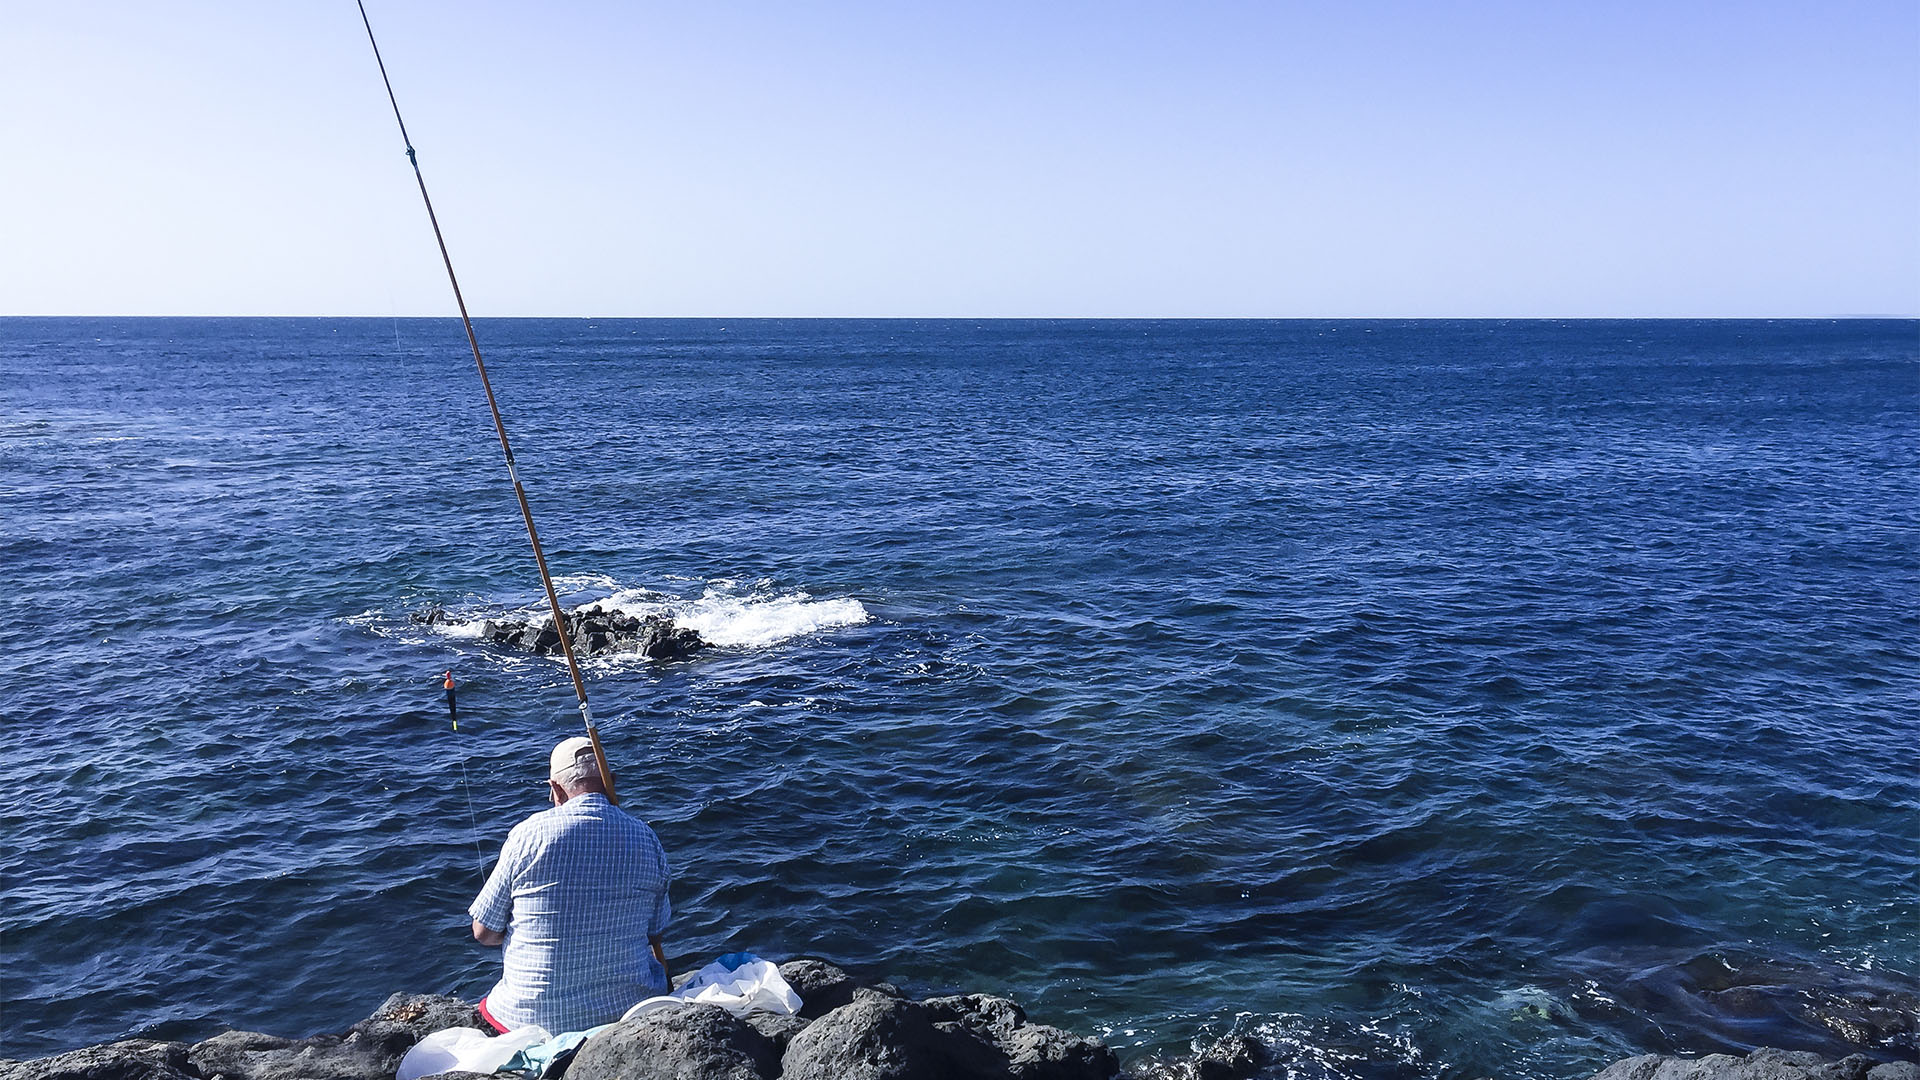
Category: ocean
[1423,698]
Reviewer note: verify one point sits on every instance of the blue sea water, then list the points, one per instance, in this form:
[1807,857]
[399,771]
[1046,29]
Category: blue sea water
[1426,699]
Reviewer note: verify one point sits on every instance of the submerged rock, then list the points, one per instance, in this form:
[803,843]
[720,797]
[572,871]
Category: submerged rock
[1762,1064]
[1232,1057]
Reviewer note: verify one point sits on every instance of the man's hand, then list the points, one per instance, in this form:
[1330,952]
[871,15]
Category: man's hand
[485,936]
[659,953]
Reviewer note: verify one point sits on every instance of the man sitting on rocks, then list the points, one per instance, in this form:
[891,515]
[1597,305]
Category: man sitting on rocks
[579,896]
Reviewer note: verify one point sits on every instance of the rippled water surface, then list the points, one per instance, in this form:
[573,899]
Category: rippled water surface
[1427,699]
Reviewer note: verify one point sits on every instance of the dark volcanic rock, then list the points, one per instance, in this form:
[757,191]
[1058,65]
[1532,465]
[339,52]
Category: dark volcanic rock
[130,1059]
[371,1048]
[1039,1052]
[865,1033]
[661,640]
[983,1015]
[234,1054]
[424,1014]
[821,986]
[1867,1014]
[1232,1057]
[992,1038]
[685,1042]
[872,1037]
[591,631]
[1235,1057]
[370,1051]
[1763,1064]
[779,1030]
[876,1036]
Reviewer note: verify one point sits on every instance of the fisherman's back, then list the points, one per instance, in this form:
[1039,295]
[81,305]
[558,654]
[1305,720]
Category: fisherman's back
[579,890]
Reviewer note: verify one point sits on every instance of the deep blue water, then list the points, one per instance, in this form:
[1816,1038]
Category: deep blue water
[1432,699]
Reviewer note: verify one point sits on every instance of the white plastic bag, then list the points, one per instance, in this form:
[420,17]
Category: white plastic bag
[749,986]
[467,1050]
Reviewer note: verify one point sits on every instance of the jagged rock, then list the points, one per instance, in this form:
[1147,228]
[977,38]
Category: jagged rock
[1762,1064]
[129,1059]
[1235,1057]
[370,1050]
[876,1036]
[1232,1057]
[984,1015]
[863,1033]
[872,1037]
[821,986]
[779,1030]
[685,1042]
[661,640]
[590,630]
[1040,1052]
[994,1039]
[233,1054]
[424,1014]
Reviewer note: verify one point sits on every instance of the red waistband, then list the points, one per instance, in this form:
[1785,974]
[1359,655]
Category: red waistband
[488,1017]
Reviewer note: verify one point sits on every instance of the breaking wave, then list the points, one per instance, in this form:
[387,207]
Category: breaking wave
[725,612]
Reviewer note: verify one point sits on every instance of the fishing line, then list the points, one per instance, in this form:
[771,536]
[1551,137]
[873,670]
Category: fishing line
[479,853]
[499,426]
[466,785]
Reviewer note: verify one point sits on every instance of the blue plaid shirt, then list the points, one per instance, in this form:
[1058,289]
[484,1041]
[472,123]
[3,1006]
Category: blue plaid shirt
[578,890]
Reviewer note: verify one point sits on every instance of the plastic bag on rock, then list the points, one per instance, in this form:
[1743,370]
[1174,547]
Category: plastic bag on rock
[737,982]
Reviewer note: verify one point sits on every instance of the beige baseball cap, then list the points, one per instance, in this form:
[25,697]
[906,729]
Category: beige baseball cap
[567,753]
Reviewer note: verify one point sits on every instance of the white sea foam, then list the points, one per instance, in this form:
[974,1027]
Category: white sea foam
[572,583]
[464,631]
[751,622]
[727,613]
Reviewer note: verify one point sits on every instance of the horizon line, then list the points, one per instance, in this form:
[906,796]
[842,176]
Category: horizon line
[1862,316]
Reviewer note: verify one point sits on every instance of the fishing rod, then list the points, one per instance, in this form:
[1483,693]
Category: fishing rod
[499,427]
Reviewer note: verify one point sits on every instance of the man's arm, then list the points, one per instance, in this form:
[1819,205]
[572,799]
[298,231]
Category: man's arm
[659,952]
[494,906]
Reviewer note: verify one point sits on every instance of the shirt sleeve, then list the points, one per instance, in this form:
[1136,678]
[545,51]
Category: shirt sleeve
[662,910]
[493,908]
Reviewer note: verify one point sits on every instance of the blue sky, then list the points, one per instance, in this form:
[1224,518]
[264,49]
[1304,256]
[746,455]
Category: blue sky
[893,159]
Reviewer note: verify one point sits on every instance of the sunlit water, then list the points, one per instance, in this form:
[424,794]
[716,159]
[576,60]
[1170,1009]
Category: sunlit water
[1428,699]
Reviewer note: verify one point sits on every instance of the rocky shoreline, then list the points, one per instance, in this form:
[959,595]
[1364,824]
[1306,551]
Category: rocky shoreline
[846,1030]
